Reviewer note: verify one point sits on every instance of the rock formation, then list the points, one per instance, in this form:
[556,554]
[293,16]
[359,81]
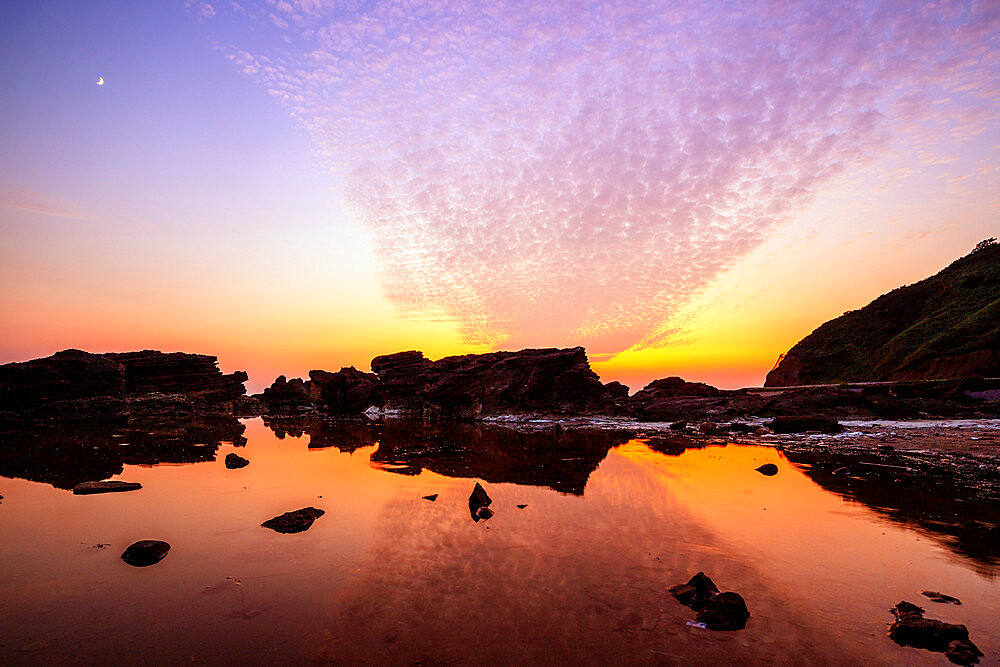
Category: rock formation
[554,381]
[947,326]
[74,385]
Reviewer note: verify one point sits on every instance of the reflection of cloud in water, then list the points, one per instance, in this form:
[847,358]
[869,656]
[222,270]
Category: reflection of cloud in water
[551,171]
[567,578]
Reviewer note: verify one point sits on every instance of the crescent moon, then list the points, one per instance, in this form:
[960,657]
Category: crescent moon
[100,81]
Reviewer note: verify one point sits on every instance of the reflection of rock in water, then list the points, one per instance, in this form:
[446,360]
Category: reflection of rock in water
[67,454]
[560,460]
[914,495]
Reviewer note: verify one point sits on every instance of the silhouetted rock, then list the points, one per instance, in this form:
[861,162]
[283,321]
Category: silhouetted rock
[479,499]
[708,428]
[696,592]
[679,426]
[145,552]
[73,385]
[725,611]
[87,488]
[294,522]
[912,629]
[555,381]
[768,469]
[803,423]
[234,461]
[521,507]
[941,598]
[673,445]
[431,497]
[616,390]
[286,396]
[347,392]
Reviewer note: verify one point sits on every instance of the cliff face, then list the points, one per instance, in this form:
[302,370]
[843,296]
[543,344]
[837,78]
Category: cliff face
[947,326]
[75,385]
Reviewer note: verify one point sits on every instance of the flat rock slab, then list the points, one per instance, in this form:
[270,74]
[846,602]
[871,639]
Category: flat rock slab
[431,497]
[941,598]
[145,553]
[86,488]
[234,461]
[294,522]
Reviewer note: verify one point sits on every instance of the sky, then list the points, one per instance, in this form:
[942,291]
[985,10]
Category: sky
[683,188]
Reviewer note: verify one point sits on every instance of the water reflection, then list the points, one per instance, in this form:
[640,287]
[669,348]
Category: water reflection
[65,455]
[573,567]
[560,460]
[936,506]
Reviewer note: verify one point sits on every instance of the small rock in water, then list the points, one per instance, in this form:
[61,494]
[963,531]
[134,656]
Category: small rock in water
[431,497]
[679,426]
[708,428]
[234,461]
[912,629]
[86,488]
[520,507]
[145,553]
[294,522]
[768,469]
[484,513]
[696,592]
[934,596]
[725,611]
[477,499]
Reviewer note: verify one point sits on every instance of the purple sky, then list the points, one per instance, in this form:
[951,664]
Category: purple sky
[308,184]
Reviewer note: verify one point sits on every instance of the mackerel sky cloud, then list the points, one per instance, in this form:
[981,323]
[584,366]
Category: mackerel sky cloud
[552,173]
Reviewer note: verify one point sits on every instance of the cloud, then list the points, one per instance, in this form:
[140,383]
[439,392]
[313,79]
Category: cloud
[32,202]
[562,172]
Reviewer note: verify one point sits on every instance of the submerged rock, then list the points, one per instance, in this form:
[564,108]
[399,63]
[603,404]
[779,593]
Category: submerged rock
[912,629]
[145,553]
[294,522]
[234,461]
[934,596]
[768,469]
[479,499]
[87,488]
[725,611]
[696,592]
[803,423]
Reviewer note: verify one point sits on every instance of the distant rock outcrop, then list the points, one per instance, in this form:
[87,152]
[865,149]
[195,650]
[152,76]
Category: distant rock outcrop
[286,396]
[346,392]
[947,326]
[74,385]
[473,386]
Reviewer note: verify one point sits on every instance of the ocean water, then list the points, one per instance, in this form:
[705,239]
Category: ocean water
[579,575]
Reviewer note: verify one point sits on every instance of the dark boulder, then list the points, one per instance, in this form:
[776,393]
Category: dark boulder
[113,486]
[286,396]
[347,392]
[675,386]
[725,611]
[431,497]
[478,500]
[768,469]
[912,629]
[234,461]
[145,553]
[679,426]
[294,522]
[803,423]
[616,390]
[696,592]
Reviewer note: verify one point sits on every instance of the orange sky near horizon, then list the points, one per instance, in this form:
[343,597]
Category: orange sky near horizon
[655,182]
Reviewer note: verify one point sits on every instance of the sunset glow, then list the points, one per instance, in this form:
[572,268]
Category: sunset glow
[681,188]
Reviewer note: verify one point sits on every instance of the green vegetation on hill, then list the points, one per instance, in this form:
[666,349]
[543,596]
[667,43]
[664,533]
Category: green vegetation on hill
[945,326]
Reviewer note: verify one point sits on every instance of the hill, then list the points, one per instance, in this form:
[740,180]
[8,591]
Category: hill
[945,326]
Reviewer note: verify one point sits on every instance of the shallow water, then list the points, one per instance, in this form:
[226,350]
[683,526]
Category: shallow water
[579,575]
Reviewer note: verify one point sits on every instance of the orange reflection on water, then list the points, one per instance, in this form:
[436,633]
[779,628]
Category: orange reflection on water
[387,577]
